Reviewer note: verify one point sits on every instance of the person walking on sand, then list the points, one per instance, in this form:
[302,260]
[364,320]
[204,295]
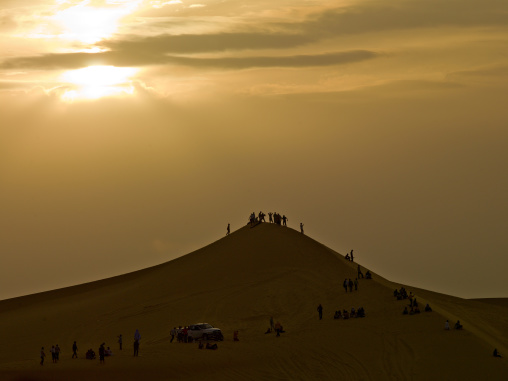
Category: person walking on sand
[320,311]
[43,355]
[360,274]
[57,353]
[102,353]
[228,231]
[74,350]
[301,228]
[137,337]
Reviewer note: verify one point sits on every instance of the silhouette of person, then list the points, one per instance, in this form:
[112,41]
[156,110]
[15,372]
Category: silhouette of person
[301,228]
[270,218]
[496,353]
[74,350]
[228,229]
[360,274]
[351,255]
[137,337]
[120,341]
[102,353]
[320,311]
[43,355]
[447,325]
[345,284]
[284,219]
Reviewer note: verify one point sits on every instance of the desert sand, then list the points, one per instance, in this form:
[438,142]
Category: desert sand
[237,283]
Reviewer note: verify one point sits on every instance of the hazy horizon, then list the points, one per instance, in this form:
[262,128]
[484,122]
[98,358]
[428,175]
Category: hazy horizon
[133,132]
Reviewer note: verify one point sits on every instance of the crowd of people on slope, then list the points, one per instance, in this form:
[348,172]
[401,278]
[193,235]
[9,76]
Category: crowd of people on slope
[345,314]
[458,326]
[349,284]
[90,353]
[181,334]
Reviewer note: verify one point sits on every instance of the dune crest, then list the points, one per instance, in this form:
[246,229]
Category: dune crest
[238,283]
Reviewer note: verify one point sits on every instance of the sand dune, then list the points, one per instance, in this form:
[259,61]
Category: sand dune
[237,283]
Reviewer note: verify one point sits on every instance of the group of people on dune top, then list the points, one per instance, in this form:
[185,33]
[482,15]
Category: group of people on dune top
[273,218]
[90,354]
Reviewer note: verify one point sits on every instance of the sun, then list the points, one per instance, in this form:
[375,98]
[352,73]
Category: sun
[95,82]
[88,24]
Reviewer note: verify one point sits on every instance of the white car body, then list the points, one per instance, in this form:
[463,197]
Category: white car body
[204,331]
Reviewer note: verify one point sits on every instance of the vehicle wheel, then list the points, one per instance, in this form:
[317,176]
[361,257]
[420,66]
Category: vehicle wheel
[205,336]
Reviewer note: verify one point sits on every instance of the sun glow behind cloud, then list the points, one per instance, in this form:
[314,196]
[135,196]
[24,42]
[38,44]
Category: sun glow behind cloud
[95,82]
[89,24]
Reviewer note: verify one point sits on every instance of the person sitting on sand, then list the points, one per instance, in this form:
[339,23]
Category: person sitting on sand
[211,346]
[347,257]
[360,313]
[108,352]
[268,330]
[201,345]
[458,325]
[337,315]
[427,308]
[447,326]
[278,328]
[417,310]
[368,275]
[405,312]
[345,315]
[353,312]
[496,353]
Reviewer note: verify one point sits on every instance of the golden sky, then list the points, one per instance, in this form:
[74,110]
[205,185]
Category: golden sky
[132,132]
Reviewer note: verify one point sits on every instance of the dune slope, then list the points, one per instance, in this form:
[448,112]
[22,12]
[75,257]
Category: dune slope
[237,283]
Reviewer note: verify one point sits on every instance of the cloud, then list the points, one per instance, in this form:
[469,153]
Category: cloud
[295,61]
[203,43]
[357,19]
[78,60]
[493,72]
[397,15]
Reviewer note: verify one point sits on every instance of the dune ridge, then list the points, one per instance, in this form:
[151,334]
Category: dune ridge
[237,283]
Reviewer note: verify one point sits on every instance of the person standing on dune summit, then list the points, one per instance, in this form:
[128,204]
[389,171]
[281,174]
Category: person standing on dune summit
[228,229]
[284,219]
[320,311]
[301,228]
